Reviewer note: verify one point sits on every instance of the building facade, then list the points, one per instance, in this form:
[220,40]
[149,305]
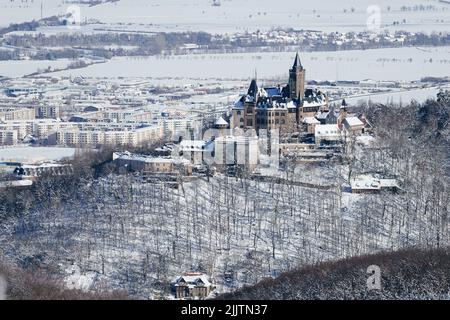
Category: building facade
[241,151]
[192,286]
[278,107]
[9,114]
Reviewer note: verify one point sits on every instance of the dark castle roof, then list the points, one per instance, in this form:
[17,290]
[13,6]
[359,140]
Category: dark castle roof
[253,89]
[297,62]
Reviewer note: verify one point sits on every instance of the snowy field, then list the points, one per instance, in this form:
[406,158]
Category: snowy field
[419,95]
[401,64]
[34,154]
[241,15]
[20,68]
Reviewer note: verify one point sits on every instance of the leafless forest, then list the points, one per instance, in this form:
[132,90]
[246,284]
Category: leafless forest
[134,236]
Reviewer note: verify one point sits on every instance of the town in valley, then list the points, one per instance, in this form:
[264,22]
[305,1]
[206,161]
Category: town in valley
[196,160]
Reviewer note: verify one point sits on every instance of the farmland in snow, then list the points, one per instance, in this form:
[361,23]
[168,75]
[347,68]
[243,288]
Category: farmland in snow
[32,154]
[241,15]
[398,97]
[20,68]
[401,64]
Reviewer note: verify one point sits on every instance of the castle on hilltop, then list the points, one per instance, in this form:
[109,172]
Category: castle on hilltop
[279,107]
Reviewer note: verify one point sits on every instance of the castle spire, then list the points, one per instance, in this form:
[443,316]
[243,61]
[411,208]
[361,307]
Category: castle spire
[253,89]
[297,62]
[297,79]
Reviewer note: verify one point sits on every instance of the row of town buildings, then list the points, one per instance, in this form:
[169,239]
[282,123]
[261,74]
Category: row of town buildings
[109,127]
[303,117]
[29,113]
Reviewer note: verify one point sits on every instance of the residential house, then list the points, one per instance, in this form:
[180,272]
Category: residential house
[192,286]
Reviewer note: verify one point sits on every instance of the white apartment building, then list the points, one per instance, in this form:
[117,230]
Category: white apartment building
[115,115]
[41,129]
[8,137]
[327,132]
[236,150]
[47,112]
[22,128]
[132,137]
[174,128]
[9,114]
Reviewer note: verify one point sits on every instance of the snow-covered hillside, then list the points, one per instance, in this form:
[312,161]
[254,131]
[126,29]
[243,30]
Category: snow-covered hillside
[139,236]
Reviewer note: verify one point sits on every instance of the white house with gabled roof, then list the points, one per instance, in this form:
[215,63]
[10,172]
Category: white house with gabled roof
[192,286]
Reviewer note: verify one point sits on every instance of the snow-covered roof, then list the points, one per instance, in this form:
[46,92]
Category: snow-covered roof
[313,103]
[275,104]
[239,104]
[44,165]
[311,120]
[322,115]
[365,139]
[365,182]
[192,279]
[143,158]
[273,91]
[16,183]
[262,93]
[221,122]
[196,145]
[239,139]
[291,104]
[327,130]
[353,121]
[369,182]
[388,183]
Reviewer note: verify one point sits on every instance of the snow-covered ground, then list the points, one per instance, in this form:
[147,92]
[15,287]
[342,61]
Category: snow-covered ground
[76,280]
[35,154]
[241,15]
[401,64]
[138,236]
[419,95]
[19,68]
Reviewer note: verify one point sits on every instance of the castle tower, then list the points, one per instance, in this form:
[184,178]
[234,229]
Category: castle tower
[250,105]
[342,113]
[297,79]
[221,126]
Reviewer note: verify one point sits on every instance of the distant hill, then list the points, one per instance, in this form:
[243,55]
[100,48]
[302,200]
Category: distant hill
[410,274]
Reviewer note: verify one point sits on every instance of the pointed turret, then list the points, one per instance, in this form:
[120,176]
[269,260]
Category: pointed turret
[297,62]
[297,79]
[253,89]
[342,113]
